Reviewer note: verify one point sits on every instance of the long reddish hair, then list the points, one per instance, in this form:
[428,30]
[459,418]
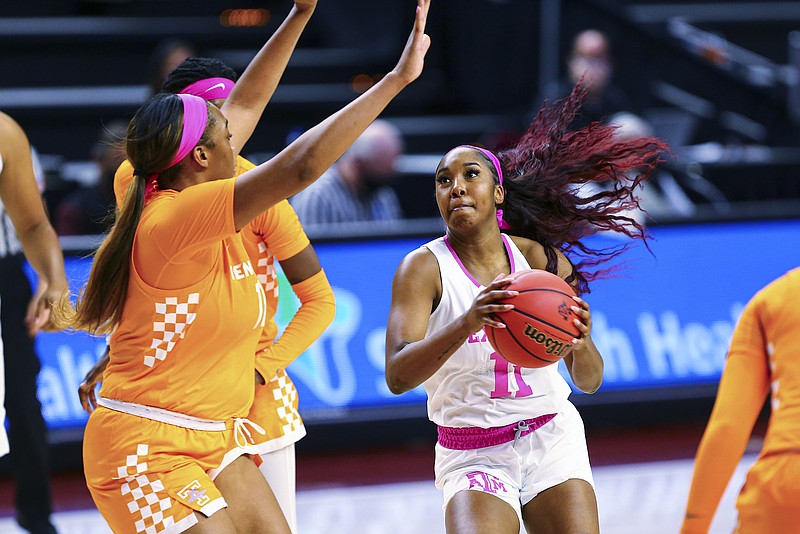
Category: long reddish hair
[547,167]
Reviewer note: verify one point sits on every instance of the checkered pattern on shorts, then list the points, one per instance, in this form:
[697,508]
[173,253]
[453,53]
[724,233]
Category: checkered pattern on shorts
[267,274]
[285,392]
[175,317]
[149,501]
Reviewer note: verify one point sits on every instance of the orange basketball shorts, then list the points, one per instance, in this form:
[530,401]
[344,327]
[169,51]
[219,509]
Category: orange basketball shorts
[148,476]
[274,411]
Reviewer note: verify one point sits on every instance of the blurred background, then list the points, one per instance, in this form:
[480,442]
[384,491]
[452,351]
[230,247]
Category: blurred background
[720,81]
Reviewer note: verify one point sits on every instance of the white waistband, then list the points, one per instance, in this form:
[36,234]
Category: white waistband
[161,415]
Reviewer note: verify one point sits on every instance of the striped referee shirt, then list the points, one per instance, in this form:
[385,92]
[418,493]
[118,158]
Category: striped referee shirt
[329,200]
[9,243]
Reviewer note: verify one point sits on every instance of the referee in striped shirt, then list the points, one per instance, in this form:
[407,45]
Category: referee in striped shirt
[21,316]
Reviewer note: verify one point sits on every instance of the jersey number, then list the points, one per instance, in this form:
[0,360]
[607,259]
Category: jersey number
[501,388]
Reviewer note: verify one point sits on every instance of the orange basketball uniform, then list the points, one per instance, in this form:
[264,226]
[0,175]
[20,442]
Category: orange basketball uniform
[185,345]
[763,358]
[275,234]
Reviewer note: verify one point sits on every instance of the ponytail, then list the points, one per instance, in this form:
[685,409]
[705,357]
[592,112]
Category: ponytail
[100,304]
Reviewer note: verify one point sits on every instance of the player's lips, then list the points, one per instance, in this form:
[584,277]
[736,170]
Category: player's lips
[460,207]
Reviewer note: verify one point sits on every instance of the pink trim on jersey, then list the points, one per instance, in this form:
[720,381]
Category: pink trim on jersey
[509,252]
[472,437]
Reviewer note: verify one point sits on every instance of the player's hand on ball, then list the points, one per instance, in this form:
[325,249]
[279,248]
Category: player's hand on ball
[487,304]
[583,322]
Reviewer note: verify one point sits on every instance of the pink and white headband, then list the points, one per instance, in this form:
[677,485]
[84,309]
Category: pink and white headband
[499,169]
[210,88]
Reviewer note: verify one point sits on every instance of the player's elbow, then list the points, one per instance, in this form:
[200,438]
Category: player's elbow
[589,386]
[396,381]
[397,387]
[329,304]
[589,390]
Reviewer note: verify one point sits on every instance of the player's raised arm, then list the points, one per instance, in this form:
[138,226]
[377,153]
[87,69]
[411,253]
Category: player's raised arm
[302,162]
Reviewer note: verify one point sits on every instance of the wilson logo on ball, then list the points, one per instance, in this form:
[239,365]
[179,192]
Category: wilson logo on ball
[551,346]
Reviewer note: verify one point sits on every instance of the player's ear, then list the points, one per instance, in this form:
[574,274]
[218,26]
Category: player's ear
[200,156]
[499,194]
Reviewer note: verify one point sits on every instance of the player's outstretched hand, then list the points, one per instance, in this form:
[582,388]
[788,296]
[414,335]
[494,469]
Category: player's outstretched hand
[412,60]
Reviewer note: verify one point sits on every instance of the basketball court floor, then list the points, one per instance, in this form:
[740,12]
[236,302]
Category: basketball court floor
[641,498]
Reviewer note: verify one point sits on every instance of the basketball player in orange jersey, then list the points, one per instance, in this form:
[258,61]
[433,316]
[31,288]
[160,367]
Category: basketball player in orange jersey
[511,449]
[762,359]
[174,284]
[275,234]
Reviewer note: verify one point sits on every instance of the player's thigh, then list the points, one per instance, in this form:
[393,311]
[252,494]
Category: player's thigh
[567,508]
[251,503]
[476,512]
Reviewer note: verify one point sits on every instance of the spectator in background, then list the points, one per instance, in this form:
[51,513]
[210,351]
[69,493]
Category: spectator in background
[357,188]
[86,211]
[23,314]
[590,61]
[167,55]
[762,359]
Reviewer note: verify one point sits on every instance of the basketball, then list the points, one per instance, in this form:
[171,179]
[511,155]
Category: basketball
[539,329]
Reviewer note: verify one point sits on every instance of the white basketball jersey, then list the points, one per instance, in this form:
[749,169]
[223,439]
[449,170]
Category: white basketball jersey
[477,387]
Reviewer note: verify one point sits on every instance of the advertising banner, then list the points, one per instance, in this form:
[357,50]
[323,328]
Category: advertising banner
[662,322]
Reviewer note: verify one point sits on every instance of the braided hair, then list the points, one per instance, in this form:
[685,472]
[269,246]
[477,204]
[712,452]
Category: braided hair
[194,69]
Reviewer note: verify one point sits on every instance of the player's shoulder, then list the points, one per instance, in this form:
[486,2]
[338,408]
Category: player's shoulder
[418,274]
[532,250]
[10,130]
[8,122]
[782,291]
[243,165]
[419,263]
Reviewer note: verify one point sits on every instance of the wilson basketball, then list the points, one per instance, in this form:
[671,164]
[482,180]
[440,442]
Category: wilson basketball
[539,329]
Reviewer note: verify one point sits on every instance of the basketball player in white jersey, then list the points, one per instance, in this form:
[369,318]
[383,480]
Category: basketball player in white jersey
[511,450]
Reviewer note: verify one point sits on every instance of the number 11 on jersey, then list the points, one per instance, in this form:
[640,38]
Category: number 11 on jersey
[501,384]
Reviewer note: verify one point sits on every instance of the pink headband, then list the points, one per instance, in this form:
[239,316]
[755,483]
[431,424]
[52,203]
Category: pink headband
[195,118]
[210,88]
[499,169]
[492,158]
